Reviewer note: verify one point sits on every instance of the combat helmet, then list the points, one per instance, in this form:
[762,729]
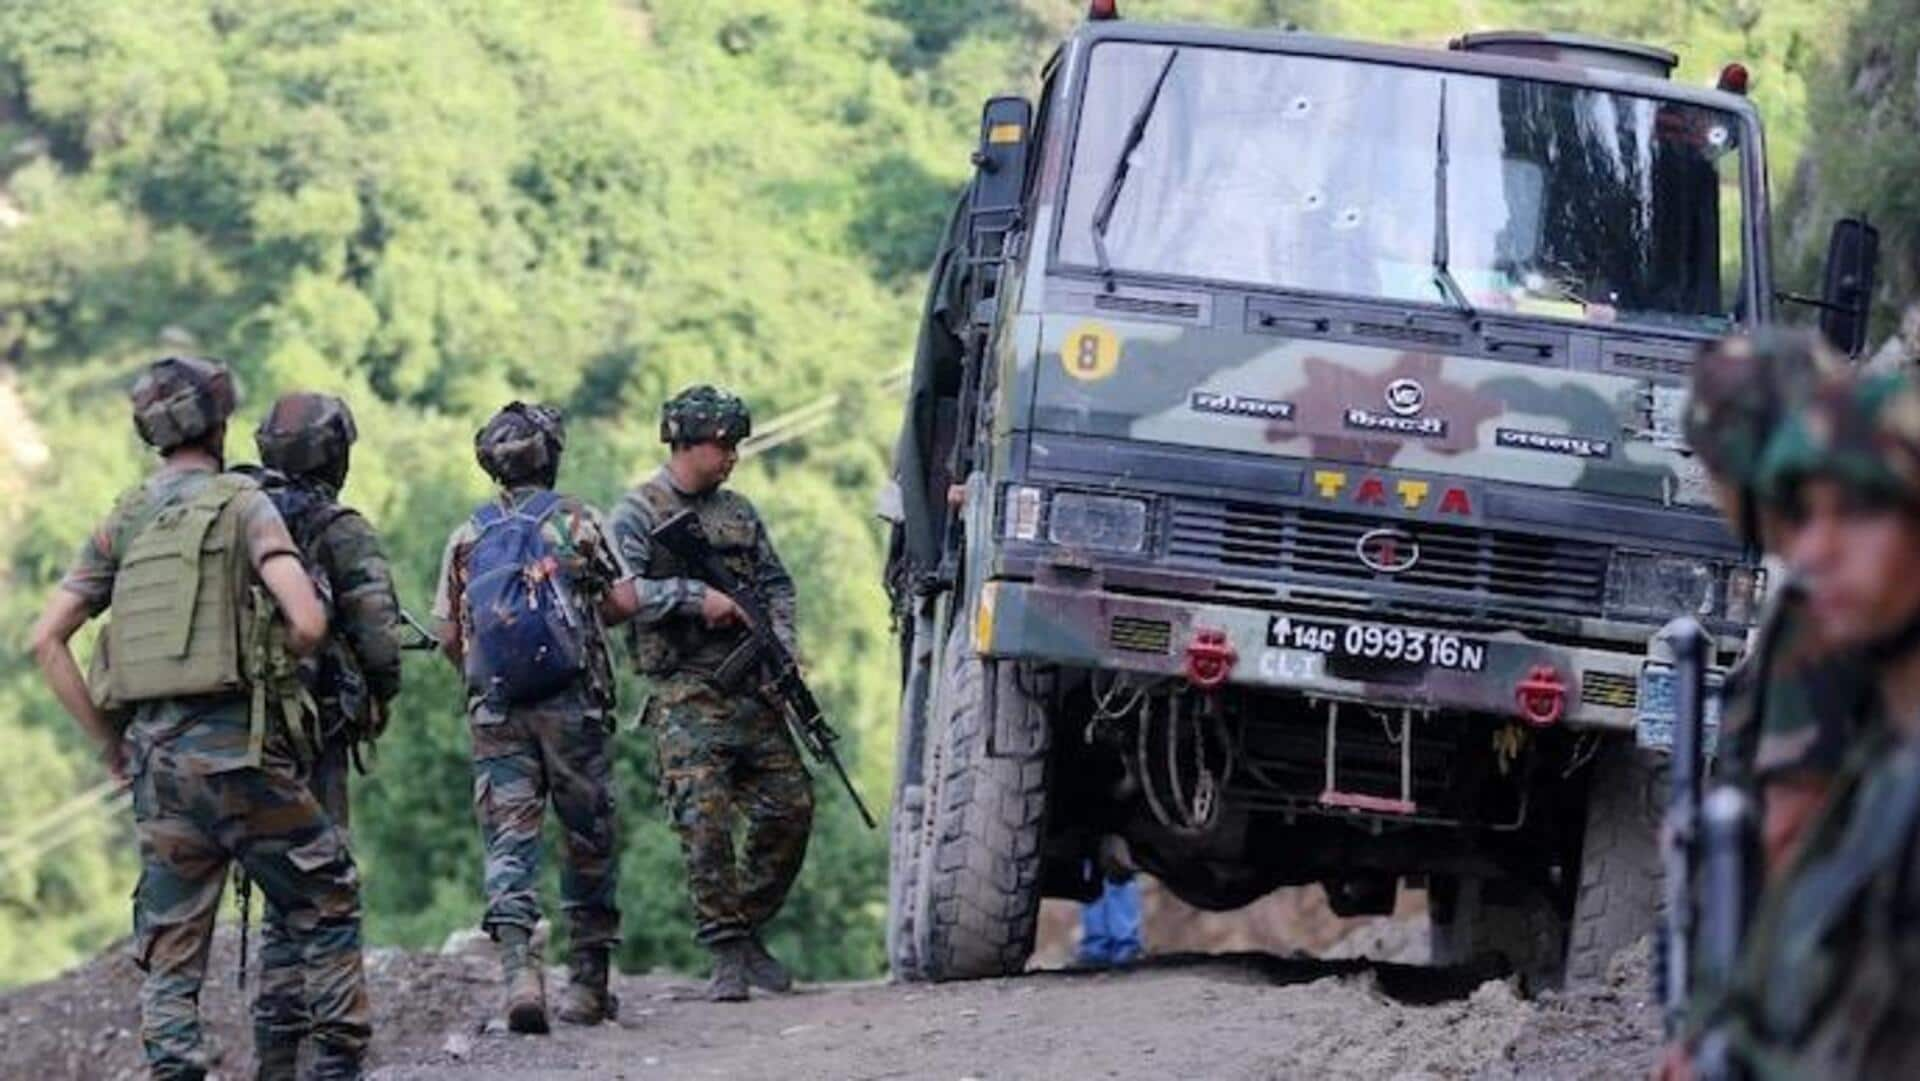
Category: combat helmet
[1742,387]
[705,413]
[522,443]
[1861,430]
[307,434]
[181,399]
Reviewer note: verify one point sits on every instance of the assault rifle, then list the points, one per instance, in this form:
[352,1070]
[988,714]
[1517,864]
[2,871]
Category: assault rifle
[1707,848]
[760,660]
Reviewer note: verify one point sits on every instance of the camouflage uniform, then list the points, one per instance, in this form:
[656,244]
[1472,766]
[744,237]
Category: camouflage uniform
[359,669]
[206,793]
[720,754]
[557,748]
[1788,704]
[1824,987]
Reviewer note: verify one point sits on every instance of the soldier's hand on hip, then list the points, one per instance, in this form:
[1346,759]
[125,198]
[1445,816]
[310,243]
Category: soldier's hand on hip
[719,610]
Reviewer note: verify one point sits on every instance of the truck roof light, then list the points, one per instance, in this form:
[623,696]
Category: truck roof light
[1733,78]
[1103,10]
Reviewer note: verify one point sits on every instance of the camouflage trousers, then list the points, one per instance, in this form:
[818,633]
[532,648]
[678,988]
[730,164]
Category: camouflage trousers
[280,1019]
[191,828]
[723,759]
[523,756]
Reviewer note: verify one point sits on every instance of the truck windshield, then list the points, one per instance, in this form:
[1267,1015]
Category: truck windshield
[1323,175]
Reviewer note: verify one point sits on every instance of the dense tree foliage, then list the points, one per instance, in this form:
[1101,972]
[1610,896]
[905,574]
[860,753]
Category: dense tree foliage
[433,206]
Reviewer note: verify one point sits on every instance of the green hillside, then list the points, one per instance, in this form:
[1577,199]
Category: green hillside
[433,206]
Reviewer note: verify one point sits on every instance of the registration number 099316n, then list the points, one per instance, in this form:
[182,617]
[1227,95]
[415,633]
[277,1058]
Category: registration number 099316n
[1409,646]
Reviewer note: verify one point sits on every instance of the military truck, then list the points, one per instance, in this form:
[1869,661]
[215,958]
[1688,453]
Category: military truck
[1292,486]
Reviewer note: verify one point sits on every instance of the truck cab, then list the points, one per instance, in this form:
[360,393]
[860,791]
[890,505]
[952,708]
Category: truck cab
[1293,490]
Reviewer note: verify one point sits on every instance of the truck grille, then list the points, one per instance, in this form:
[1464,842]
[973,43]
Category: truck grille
[1135,635]
[1495,568]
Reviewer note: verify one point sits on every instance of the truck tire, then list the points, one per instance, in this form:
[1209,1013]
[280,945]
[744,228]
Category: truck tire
[907,823]
[1466,927]
[1619,899]
[980,870]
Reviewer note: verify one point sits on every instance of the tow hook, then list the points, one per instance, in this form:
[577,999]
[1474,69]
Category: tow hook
[1541,696]
[1210,658]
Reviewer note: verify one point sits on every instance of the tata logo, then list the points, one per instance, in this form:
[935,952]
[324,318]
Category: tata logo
[1388,551]
[1406,397]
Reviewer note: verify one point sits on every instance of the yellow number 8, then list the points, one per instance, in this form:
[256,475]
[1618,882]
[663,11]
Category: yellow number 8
[1090,352]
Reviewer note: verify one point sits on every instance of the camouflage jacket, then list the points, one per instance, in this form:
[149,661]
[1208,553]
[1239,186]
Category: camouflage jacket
[592,565]
[1825,986]
[668,635]
[361,669]
[1791,704]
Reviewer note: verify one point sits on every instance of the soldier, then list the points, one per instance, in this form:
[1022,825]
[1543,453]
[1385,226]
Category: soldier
[554,745]
[1789,702]
[305,442]
[1824,987]
[203,678]
[722,753]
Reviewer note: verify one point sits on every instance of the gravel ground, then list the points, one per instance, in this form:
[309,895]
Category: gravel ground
[1220,1017]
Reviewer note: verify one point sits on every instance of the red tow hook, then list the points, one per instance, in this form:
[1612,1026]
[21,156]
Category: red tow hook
[1210,658]
[1541,696]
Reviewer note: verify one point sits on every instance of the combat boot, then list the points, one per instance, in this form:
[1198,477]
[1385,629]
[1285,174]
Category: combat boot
[729,982]
[526,982]
[586,1000]
[764,970]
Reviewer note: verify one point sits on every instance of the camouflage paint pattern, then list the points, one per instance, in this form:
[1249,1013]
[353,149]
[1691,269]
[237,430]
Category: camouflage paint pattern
[1327,401]
[723,760]
[557,749]
[191,826]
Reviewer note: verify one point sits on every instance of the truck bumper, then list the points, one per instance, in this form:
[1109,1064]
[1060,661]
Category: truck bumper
[1214,645]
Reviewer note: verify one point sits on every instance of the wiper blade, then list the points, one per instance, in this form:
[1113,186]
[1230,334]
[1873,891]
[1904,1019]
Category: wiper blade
[1110,195]
[1443,276]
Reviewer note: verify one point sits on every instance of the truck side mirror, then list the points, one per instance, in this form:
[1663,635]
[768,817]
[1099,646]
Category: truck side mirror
[1853,258]
[1000,162]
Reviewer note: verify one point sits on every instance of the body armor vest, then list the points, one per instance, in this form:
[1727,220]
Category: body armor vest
[684,643]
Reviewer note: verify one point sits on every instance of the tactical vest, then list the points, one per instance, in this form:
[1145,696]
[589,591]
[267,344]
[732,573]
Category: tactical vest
[180,601]
[685,643]
[191,618]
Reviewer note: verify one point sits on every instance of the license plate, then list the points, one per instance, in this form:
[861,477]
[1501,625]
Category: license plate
[1658,708]
[1378,644]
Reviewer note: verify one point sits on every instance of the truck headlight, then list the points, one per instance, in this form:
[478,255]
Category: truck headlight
[1663,586]
[1107,523]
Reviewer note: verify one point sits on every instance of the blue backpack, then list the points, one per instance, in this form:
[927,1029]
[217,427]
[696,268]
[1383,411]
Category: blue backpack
[528,638]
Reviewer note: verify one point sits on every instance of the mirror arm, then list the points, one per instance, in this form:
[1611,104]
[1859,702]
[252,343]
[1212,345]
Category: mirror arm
[1816,302]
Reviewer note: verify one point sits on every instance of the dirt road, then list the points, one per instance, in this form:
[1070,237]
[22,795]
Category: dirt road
[1204,1018]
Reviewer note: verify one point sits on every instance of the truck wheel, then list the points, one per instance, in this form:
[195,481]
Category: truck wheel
[980,872]
[1619,899]
[908,819]
[1467,927]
